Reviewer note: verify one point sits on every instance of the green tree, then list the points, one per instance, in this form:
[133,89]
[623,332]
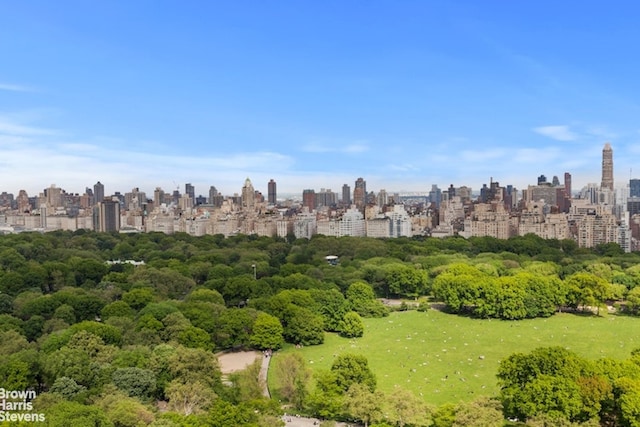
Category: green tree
[351,326]
[546,381]
[302,326]
[405,280]
[404,408]
[363,404]
[117,309]
[187,399]
[293,377]
[267,333]
[138,298]
[67,388]
[72,414]
[352,368]
[331,306]
[235,327]
[587,290]
[483,412]
[135,382]
[124,411]
[362,300]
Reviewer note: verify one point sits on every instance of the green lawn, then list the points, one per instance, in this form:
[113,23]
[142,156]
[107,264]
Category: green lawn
[447,358]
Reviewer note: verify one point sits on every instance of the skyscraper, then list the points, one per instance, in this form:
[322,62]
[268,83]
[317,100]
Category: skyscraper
[346,195]
[360,193]
[634,188]
[567,185]
[607,167]
[98,192]
[309,199]
[248,195]
[190,191]
[109,215]
[271,192]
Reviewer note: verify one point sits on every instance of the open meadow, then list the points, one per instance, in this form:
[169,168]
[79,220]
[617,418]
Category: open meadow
[449,358]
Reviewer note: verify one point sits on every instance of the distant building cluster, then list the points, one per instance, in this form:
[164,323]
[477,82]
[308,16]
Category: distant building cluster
[598,213]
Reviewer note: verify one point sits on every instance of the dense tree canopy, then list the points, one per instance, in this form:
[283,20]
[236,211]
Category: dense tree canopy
[77,328]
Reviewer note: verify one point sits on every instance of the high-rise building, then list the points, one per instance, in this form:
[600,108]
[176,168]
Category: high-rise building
[24,205]
[215,198]
[346,195]
[158,196]
[53,196]
[607,167]
[248,195]
[360,193]
[109,215]
[309,199]
[435,195]
[634,188]
[271,192]
[326,197]
[567,184]
[98,192]
[190,191]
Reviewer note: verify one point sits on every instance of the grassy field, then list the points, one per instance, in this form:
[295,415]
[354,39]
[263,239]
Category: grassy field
[447,358]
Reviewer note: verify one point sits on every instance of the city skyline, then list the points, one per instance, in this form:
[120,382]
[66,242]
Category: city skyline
[403,94]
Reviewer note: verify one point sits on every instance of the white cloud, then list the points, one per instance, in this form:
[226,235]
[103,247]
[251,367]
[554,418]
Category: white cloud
[12,127]
[559,133]
[334,146]
[15,88]
[475,156]
[404,168]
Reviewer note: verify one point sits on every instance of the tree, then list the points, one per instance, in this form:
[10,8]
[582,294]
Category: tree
[331,306]
[138,298]
[267,333]
[587,290]
[67,388]
[72,414]
[546,381]
[117,308]
[326,401]
[247,383]
[363,404]
[205,295]
[135,382]
[406,280]
[124,411]
[483,412]
[405,408]
[187,399]
[293,376]
[234,328]
[302,326]
[353,368]
[351,326]
[362,300]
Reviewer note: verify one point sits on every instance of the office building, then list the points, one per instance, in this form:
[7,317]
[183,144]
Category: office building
[607,167]
[271,192]
[109,215]
[634,188]
[346,195]
[98,192]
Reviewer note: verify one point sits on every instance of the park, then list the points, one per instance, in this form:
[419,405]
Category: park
[447,358]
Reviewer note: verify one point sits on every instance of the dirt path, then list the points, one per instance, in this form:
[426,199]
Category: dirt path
[233,362]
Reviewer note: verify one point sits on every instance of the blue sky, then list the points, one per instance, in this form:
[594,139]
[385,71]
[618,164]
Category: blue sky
[405,94]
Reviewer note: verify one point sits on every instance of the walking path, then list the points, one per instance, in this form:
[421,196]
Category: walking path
[264,370]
